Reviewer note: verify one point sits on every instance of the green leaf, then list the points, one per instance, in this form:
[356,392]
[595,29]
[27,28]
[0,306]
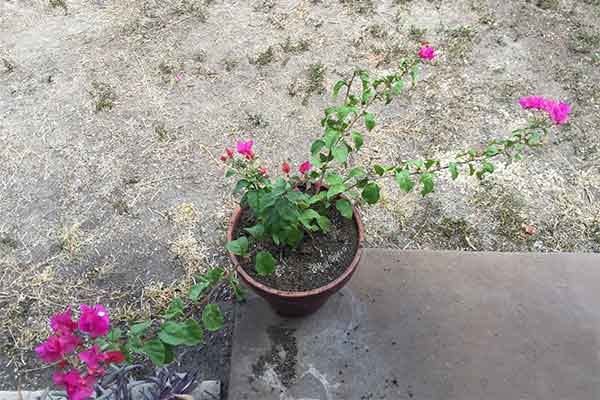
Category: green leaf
[379,169]
[369,121]
[344,207]
[257,231]
[414,74]
[169,354]
[331,137]
[324,223]
[140,328]
[241,185]
[427,181]
[335,190]
[357,138]
[197,290]
[234,283]
[265,263]
[155,350]
[340,153]
[213,275]
[367,95]
[296,196]
[453,168]
[418,164]
[114,335]
[371,193]
[404,180]
[188,333]
[431,163]
[364,78]
[316,147]
[492,150]
[293,235]
[134,343]
[333,179]
[309,214]
[397,87]
[317,197]
[239,246]
[337,87]
[211,278]
[175,309]
[356,172]
[534,139]
[212,318]
[230,172]
[471,170]
[488,167]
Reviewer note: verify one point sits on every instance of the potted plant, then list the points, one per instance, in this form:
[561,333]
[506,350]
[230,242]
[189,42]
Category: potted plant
[297,238]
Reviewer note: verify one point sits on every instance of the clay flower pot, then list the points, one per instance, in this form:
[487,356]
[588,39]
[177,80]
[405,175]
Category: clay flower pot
[297,304]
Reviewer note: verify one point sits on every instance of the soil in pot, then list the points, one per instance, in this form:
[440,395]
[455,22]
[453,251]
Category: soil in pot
[316,262]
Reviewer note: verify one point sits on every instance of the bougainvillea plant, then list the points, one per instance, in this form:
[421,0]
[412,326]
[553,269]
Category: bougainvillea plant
[176,326]
[74,350]
[83,349]
[295,204]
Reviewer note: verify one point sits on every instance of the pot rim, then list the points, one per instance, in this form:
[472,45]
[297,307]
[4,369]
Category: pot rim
[298,294]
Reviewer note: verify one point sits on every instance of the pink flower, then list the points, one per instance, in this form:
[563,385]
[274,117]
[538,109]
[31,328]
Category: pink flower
[94,320]
[91,357]
[51,350]
[55,347]
[229,152]
[245,148]
[113,357]
[77,387]
[69,342]
[427,53]
[305,167]
[223,158]
[179,76]
[286,168]
[62,323]
[263,171]
[558,111]
[535,102]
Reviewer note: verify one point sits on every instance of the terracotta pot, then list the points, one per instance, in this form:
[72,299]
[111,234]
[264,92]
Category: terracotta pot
[297,304]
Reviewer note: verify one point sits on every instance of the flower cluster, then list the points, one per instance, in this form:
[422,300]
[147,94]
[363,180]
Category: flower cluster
[427,53]
[244,148]
[557,110]
[66,348]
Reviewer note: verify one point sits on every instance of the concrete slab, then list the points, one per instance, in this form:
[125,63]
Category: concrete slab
[433,325]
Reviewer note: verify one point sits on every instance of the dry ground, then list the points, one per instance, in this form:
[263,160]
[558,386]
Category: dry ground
[108,191]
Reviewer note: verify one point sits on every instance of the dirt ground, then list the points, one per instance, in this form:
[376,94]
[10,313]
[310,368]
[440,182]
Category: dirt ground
[108,187]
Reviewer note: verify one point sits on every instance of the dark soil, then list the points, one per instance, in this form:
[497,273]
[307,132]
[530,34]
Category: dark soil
[212,358]
[316,262]
[282,356]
